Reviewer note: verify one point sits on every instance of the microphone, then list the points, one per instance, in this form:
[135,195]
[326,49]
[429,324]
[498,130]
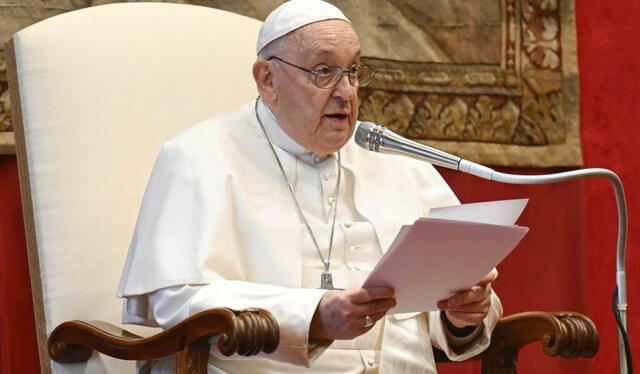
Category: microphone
[377,138]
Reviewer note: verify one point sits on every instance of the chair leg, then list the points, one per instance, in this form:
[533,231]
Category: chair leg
[192,359]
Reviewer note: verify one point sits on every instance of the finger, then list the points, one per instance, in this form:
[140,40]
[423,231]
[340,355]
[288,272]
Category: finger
[493,274]
[377,316]
[472,295]
[444,305]
[376,306]
[341,302]
[374,317]
[367,294]
[459,319]
[478,307]
[360,322]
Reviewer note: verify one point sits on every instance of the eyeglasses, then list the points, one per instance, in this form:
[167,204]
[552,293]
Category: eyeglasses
[329,76]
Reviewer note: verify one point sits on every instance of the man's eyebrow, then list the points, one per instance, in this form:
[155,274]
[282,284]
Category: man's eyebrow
[324,52]
[329,52]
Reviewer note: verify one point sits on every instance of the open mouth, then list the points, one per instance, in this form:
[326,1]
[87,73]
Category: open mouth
[337,116]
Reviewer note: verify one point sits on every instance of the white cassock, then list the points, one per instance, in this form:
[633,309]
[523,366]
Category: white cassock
[218,229]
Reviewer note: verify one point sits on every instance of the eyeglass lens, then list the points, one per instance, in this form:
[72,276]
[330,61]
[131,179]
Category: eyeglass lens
[359,76]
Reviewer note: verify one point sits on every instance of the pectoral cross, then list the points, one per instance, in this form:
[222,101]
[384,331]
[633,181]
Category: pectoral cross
[326,282]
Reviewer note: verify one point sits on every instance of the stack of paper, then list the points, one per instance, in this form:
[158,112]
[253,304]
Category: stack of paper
[449,251]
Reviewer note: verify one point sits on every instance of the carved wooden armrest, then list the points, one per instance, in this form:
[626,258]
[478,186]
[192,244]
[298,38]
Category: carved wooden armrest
[566,334]
[246,332]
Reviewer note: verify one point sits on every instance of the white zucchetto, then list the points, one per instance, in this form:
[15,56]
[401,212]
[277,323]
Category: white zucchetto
[292,15]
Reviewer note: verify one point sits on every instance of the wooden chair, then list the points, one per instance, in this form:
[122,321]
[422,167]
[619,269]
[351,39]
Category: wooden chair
[95,93]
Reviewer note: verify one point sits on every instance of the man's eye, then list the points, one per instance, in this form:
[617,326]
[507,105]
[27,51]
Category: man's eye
[324,70]
[354,69]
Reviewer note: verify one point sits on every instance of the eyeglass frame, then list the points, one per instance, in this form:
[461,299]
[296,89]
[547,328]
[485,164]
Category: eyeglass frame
[315,73]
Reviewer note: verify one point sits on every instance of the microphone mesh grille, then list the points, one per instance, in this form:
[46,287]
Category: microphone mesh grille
[362,134]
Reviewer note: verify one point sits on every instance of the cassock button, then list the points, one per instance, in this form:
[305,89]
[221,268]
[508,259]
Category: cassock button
[370,362]
[347,224]
[331,199]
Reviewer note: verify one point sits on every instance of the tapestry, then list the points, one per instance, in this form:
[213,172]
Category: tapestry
[493,81]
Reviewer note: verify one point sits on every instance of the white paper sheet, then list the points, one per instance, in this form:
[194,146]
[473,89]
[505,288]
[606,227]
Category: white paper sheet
[501,212]
[449,251]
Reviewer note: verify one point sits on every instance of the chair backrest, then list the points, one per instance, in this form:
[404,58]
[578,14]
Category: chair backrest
[96,92]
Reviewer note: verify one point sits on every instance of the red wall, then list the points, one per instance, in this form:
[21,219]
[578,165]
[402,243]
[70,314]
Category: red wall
[566,262]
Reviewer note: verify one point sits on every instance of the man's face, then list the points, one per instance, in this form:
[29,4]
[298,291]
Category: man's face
[321,120]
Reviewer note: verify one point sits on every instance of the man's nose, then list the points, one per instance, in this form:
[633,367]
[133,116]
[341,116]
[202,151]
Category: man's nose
[343,89]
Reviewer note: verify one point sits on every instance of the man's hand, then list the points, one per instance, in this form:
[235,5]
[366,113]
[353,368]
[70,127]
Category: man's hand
[470,307]
[342,314]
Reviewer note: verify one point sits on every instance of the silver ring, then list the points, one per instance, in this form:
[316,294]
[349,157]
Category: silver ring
[368,321]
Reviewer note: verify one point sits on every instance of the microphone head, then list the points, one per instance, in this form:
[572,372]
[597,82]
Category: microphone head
[367,136]
[377,138]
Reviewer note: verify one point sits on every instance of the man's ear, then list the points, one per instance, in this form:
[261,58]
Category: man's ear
[263,75]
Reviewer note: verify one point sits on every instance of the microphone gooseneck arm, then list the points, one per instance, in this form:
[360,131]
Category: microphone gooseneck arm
[377,138]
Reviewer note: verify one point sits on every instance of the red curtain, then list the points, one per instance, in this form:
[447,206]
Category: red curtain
[566,262]
[610,72]
[568,259]
[18,348]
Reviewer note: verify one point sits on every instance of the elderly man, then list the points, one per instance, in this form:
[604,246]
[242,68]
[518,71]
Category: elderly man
[261,206]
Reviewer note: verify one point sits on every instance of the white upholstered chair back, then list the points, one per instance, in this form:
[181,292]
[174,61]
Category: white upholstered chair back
[96,92]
